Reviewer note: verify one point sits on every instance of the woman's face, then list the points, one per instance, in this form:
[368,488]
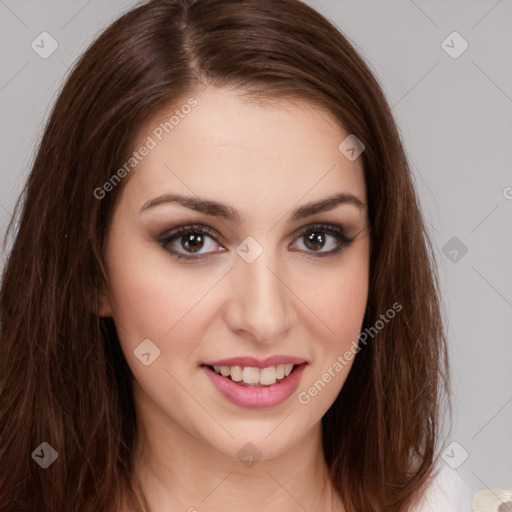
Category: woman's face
[255,287]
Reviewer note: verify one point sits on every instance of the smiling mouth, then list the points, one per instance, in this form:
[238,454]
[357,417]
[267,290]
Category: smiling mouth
[253,377]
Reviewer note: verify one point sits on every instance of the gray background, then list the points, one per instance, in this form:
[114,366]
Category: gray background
[455,116]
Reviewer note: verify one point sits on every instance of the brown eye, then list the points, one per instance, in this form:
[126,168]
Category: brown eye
[315,238]
[314,241]
[192,242]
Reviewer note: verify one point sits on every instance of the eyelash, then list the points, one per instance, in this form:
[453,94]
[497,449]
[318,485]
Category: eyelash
[330,229]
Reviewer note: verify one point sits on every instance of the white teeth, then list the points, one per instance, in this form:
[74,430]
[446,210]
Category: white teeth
[236,373]
[268,375]
[252,375]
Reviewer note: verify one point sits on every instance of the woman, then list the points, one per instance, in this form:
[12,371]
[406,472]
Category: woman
[221,292]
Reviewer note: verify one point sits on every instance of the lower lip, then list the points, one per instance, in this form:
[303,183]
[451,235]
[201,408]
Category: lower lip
[256,397]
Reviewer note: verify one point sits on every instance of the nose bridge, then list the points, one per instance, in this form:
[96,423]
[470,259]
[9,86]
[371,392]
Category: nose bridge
[263,306]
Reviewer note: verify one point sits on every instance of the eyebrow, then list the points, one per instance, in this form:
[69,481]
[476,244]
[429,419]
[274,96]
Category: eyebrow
[216,209]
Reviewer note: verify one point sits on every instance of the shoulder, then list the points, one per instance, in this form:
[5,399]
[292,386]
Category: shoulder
[447,493]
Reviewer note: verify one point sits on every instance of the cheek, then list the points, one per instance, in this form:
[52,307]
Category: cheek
[339,307]
[150,298]
[337,300]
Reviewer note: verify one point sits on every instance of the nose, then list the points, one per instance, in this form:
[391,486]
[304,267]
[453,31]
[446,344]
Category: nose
[260,305]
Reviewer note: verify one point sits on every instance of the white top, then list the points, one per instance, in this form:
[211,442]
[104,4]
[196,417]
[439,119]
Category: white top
[447,493]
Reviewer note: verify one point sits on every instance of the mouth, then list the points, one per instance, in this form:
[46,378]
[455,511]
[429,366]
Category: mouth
[255,387]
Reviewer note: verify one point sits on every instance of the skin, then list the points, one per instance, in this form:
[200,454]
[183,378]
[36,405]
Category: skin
[264,160]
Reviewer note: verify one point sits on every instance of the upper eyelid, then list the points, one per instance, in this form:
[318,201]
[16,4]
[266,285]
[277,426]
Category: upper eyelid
[170,233]
[186,228]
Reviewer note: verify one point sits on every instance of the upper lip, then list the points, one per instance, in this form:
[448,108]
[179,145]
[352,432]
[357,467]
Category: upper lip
[247,361]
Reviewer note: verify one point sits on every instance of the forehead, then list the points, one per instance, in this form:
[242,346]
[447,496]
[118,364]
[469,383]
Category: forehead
[229,148]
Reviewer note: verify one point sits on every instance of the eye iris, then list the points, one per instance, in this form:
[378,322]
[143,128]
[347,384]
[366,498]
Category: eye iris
[192,242]
[315,240]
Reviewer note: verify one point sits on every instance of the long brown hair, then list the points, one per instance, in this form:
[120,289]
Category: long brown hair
[63,377]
